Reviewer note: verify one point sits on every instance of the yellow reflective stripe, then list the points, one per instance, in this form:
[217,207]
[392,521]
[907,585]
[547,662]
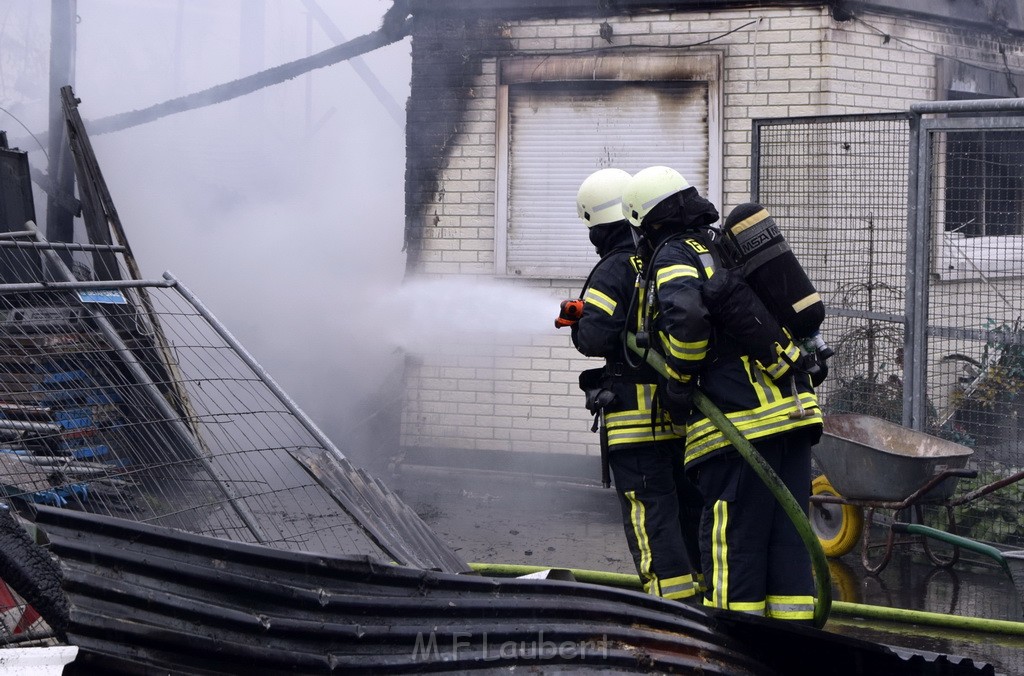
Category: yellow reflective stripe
[694,351]
[751,608]
[644,397]
[719,555]
[806,302]
[752,417]
[776,370]
[644,435]
[681,377]
[791,607]
[786,356]
[633,426]
[768,393]
[758,428]
[620,418]
[671,372]
[681,587]
[670,272]
[600,300]
[749,221]
[791,351]
[637,517]
[702,436]
[713,442]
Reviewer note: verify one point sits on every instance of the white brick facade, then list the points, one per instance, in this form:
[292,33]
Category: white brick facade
[776,63]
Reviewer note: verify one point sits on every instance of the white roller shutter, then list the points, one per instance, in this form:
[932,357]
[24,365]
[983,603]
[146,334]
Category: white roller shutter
[559,133]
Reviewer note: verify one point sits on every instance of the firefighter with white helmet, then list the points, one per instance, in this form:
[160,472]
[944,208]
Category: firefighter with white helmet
[660,507]
[649,188]
[599,199]
[752,556]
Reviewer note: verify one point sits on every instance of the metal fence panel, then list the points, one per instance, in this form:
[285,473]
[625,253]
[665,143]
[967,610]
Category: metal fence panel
[913,230]
[129,399]
[837,188]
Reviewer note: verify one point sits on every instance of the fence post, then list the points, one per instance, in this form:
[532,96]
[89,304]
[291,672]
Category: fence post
[915,344]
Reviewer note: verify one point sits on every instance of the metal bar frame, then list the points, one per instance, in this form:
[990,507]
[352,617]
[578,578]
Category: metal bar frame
[920,234]
[251,362]
[156,398]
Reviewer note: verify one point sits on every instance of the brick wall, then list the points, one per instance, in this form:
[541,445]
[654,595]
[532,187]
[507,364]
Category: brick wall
[777,63]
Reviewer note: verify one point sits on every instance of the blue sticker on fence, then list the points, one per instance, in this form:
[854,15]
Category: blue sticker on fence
[109,296]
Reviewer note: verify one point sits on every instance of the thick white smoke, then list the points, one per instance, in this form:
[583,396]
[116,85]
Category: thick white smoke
[279,209]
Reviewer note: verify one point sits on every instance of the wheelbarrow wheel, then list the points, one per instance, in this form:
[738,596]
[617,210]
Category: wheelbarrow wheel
[837,526]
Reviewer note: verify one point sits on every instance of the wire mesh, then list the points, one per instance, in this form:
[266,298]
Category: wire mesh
[837,188]
[975,203]
[128,399]
[81,428]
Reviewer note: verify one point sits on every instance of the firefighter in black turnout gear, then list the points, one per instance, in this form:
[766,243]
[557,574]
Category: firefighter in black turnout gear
[660,508]
[752,556]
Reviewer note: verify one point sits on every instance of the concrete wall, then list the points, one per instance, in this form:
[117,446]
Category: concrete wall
[777,63]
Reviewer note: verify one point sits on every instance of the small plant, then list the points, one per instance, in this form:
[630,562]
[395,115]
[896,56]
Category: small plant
[867,396]
[956,433]
[1004,378]
[867,371]
[982,406]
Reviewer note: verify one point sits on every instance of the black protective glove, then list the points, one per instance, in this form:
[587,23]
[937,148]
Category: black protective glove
[597,396]
[677,399]
[819,371]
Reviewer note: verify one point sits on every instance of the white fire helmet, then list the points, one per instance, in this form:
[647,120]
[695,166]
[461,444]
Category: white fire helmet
[599,199]
[648,188]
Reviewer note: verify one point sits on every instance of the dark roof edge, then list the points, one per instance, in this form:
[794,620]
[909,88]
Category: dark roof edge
[1002,16]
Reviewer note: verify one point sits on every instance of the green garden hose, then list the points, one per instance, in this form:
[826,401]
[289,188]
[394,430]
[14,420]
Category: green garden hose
[822,577]
[856,610]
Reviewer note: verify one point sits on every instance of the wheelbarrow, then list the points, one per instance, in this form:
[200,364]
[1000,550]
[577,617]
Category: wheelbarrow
[870,464]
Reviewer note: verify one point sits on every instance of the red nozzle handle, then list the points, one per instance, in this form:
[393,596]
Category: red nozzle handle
[570,312]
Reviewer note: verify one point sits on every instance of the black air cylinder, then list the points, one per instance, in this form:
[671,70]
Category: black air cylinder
[773,271]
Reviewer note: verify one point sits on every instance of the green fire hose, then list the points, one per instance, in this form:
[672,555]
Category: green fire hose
[853,610]
[822,577]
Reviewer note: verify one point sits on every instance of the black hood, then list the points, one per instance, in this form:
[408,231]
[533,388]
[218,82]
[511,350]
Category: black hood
[685,210]
[611,236]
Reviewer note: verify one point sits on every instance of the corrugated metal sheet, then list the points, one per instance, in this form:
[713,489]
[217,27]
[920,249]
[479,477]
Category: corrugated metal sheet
[146,599]
[560,134]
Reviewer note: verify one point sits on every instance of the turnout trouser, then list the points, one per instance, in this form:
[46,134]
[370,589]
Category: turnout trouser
[752,556]
[661,514]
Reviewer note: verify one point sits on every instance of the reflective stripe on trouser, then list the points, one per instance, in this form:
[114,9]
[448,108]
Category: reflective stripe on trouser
[754,559]
[660,512]
[629,427]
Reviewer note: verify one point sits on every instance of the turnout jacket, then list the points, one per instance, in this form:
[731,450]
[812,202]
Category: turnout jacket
[696,348]
[600,333]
